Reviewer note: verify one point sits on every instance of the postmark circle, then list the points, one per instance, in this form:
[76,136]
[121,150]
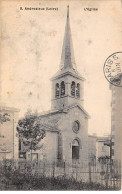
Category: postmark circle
[113,69]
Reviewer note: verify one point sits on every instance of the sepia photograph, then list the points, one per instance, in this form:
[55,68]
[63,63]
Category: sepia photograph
[60,95]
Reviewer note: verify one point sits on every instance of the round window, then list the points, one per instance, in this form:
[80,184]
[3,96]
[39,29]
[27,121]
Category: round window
[76,126]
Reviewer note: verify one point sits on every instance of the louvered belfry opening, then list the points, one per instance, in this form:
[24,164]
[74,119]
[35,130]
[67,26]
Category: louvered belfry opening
[62,88]
[57,90]
[73,88]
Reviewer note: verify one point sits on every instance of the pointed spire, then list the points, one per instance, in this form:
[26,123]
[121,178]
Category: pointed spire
[67,57]
[68,11]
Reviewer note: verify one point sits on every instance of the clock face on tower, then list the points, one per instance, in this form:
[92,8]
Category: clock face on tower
[76,126]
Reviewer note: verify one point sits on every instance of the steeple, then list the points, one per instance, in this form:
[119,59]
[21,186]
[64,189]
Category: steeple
[67,57]
[67,83]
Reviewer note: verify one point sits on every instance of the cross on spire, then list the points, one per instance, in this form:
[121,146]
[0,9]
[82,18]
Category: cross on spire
[67,57]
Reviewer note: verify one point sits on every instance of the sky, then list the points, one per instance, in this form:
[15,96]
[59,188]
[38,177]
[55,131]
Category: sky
[31,46]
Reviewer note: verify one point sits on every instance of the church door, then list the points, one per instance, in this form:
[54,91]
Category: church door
[75,150]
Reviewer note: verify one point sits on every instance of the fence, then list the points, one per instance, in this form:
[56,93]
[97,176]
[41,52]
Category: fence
[104,173]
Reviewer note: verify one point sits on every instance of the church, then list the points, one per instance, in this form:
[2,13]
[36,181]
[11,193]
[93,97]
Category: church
[66,124]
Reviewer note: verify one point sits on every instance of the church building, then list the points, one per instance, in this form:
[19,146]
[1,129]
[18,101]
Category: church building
[66,124]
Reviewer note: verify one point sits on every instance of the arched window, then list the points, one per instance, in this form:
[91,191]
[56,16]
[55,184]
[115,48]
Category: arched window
[57,90]
[78,90]
[75,149]
[62,88]
[73,88]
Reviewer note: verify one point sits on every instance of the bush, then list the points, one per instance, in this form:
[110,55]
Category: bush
[13,179]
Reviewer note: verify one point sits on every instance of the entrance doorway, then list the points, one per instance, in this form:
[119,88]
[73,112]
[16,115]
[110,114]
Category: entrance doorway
[75,150]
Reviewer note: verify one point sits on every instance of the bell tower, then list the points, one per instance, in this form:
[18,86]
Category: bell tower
[67,84]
